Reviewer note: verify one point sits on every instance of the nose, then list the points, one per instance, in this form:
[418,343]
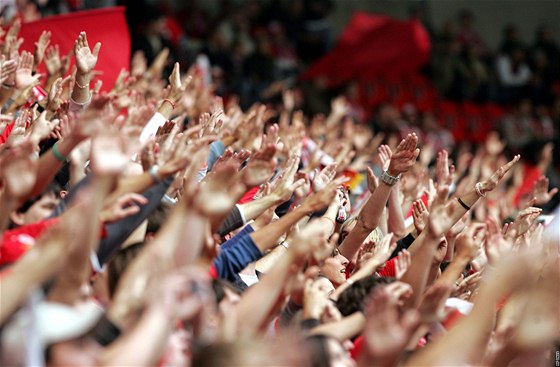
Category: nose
[343,260]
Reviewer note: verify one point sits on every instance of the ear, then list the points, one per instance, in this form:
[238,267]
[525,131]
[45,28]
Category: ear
[17,218]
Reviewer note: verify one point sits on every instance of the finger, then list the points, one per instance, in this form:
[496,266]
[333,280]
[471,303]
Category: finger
[96,49]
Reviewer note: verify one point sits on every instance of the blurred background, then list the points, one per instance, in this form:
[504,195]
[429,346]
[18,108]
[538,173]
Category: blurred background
[459,67]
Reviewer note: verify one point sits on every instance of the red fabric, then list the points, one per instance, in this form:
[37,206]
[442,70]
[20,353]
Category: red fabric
[107,26]
[213,272]
[6,133]
[357,350]
[249,195]
[530,177]
[373,45]
[389,269]
[17,241]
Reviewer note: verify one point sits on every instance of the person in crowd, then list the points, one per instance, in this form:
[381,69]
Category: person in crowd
[194,232]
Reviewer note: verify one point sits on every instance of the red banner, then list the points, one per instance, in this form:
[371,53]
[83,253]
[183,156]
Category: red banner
[107,26]
[373,45]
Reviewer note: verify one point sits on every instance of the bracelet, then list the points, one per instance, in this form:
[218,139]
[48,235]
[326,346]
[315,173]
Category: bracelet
[478,188]
[467,208]
[285,244]
[349,281]
[57,154]
[170,102]
[153,173]
[81,86]
[8,86]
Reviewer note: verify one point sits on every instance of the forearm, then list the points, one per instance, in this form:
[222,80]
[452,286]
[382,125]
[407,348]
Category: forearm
[254,208]
[344,329]
[453,271]
[267,236]
[266,263]
[264,294]
[80,92]
[395,222]
[417,274]
[368,220]
[144,344]
[49,165]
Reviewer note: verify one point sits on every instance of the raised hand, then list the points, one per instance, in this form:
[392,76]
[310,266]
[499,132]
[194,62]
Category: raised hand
[18,171]
[55,96]
[41,45]
[444,172]
[42,128]
[420,214]
[385,155]
[540,192]
[85,58]
[108,154]
[372,181]
[321,179]
[386,333]
[496,246]
[432,308]
[284,185]
[491,183]
[52,61]
[440,220]
[312,241]
[466,244]
[217,193]
[404,156]
[320,199]
[7,68]
[125,206]
[525,220]
[402,263]
[24,78]
[260,167]
[177,88]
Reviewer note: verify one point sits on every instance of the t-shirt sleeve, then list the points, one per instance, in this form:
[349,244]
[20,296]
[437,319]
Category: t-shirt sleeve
[236,257]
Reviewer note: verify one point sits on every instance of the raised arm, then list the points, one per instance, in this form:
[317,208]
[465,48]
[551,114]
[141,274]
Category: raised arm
[401,161]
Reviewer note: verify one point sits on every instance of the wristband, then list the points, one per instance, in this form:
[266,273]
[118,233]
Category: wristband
[285,244]
[170,102]
[467,208]
[478,189]
[57,154]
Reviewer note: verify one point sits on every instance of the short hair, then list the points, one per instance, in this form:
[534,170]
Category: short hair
[158,217]
[119,263]
[219,287]
[352,299]
[53,188]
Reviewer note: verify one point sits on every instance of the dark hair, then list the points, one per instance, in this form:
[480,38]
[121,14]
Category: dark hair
[352,299]
[318,350]
[219,287]
[53,188]
[119,263]
[158,217]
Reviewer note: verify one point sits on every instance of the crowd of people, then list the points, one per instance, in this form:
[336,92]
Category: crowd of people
[161,224]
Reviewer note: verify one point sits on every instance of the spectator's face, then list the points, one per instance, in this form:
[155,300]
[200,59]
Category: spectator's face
[334,268]
[40,210]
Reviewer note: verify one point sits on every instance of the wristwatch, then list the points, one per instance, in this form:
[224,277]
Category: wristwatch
[388,179]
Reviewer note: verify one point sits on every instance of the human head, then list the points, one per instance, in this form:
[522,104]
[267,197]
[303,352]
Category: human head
[353,298]
[37,208]
[334,268]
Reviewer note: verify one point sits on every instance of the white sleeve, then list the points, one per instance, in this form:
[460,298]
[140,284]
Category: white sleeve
[152,126]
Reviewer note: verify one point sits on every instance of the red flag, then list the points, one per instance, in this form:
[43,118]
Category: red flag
[107,25]
[372,45]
